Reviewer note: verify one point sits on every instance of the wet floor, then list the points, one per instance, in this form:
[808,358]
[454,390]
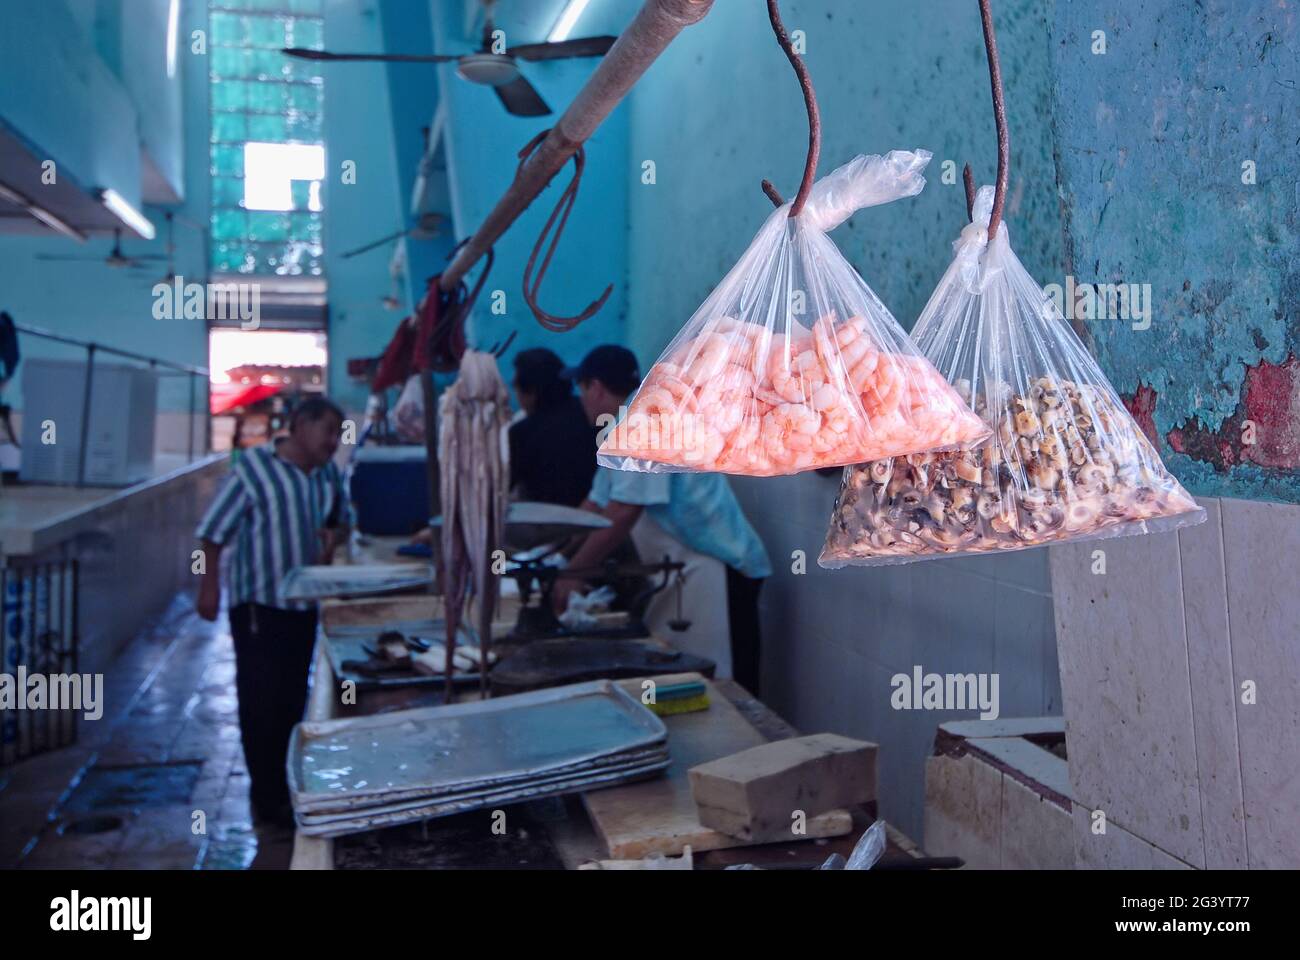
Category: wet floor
[159,781]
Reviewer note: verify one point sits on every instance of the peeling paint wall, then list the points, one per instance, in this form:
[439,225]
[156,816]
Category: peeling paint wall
[1156,140]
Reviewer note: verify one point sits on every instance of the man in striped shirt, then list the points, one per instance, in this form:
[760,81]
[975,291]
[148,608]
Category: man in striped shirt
[282,506]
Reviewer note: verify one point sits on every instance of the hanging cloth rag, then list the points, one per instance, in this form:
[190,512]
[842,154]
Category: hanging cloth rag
[433,338]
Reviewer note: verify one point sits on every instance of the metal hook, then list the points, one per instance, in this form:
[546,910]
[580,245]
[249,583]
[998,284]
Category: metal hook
[814,116]
[999,118]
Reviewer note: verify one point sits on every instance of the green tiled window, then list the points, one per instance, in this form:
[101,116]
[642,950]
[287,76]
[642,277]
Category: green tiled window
[260,96]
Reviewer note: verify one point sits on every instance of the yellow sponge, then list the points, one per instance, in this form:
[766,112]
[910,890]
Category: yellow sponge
[680,698]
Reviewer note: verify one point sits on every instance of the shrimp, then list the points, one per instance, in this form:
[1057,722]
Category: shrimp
[702,445]
[733,387]
[791,419]
[825,397]
[708,356]
[739,398]
[824,339]
[800,378]
[852,353]
[861,373]
[655,401]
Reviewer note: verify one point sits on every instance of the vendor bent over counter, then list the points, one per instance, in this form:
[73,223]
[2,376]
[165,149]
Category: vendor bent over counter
[692,518]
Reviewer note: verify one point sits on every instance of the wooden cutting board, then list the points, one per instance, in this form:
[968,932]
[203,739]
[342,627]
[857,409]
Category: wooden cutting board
[658,816]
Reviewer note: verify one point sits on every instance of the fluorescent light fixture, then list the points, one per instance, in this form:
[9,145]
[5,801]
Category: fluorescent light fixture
[173,25]
[54,222]
[564,26]
[128,214]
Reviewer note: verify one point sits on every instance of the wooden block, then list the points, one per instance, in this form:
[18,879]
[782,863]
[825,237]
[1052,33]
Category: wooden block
[658,816]
[754,794]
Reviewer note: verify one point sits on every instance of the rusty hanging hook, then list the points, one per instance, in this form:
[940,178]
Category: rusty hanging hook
[999,118]
[558,218]
[814,116]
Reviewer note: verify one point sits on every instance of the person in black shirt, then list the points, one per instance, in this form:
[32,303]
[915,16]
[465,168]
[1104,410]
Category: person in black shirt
[553,448]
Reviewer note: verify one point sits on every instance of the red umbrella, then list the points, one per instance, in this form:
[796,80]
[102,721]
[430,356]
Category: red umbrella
[242,396]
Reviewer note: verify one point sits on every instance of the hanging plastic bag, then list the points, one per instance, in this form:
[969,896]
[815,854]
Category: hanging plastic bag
[792,363]
[407,418]
[1066,460]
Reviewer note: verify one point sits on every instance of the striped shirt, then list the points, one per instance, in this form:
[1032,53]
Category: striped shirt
[272,510]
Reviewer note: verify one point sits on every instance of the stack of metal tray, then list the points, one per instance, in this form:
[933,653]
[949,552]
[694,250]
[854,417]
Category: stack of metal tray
[354,580]
[352,775]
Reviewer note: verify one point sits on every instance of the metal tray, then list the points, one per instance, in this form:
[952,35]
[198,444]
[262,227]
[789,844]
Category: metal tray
[354,580]
[530,524]
[342,808]
[641,762]
[467,745]
[378,821]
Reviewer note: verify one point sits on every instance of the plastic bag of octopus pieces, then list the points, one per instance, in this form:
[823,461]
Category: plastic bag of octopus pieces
[1065,460]
[792,363]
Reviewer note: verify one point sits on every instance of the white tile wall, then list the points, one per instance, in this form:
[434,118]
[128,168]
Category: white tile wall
[1261,546]
[834,638]
[1124,665]
[1153,657]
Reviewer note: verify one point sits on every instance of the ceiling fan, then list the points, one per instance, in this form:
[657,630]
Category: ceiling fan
[116,258]
[500,71]
[170,275]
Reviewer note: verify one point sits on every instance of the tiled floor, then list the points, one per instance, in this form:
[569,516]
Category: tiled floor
[170,710]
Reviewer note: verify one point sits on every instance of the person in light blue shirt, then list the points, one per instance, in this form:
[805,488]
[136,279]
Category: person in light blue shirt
[690,516]
[697,509]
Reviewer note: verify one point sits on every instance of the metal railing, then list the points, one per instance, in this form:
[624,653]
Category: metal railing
[39,634]
[167,367]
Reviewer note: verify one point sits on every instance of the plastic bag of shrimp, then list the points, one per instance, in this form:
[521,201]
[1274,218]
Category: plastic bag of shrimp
[792,363]
[1065,459]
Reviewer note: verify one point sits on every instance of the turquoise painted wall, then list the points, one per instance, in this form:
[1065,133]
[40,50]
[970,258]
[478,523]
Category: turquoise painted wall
[53,87]
[358,127]
[59,95]
[1155,138]
[721,110]
[413,97]
[132,39]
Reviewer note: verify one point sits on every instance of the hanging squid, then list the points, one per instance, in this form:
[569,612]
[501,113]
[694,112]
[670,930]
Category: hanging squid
[473,417]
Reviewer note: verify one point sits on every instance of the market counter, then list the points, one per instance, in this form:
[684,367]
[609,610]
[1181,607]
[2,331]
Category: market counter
[559,832]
